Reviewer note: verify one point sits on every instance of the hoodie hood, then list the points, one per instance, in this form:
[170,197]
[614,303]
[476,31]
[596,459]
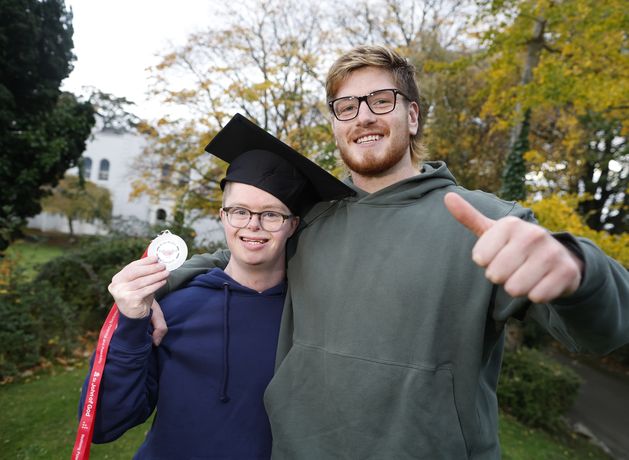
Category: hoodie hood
[433,175]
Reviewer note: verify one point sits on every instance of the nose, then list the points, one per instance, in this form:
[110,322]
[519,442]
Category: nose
[254,222]
[365,115]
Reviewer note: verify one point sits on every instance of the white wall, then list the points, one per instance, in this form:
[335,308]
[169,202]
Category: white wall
[120,150]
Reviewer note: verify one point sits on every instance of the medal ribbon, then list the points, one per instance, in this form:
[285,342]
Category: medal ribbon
[81,450]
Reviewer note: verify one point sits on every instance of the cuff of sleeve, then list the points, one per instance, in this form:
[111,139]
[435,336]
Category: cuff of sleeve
[133,333]
[593,267]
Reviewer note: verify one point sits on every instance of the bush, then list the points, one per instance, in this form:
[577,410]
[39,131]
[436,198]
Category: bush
[58,327]
[19,344]
[45,317]
[81,277]
[35,322]
[535,389]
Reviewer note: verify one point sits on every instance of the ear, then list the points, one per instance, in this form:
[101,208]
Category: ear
[222,216]
[413,117]
[294,223]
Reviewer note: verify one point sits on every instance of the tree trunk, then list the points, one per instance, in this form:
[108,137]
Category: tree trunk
[513,188]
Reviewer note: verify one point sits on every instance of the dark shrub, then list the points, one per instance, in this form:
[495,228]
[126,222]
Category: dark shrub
[535,389]
[58,327]
[19,343]
[81,277]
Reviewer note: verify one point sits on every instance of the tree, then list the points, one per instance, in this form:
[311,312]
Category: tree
[576,91]
[265,62]
[79,200]
[42,131]
[270,65]
[113,113]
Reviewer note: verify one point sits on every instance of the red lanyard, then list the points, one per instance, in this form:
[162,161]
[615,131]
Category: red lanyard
[81,450]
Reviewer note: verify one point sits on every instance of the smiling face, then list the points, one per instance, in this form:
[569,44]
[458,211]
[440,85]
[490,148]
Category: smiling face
[374,145]
[252,248]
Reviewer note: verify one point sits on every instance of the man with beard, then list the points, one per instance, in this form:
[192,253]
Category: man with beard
[392,333]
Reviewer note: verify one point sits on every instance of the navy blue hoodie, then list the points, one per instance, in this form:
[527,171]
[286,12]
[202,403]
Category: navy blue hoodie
[206,379]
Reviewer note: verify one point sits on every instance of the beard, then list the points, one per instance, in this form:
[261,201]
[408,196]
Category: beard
[371,164]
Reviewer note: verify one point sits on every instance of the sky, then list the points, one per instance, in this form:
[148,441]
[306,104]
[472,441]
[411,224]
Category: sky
[116,40]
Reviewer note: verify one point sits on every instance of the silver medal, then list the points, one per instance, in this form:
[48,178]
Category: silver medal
[170,250]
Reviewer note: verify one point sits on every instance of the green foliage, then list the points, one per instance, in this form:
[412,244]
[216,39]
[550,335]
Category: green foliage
[35,322]
[42,131]
[58,328]
[534,389]
[19,344]
[44,317]
[515,169]
[82,276]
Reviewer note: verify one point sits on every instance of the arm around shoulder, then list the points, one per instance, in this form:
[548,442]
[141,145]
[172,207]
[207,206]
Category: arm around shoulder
[196,265]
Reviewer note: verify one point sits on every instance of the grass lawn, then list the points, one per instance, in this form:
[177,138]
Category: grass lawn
[32,254]
[39,419]
[522,443]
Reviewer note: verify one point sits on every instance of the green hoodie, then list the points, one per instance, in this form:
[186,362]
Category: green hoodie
[392,338]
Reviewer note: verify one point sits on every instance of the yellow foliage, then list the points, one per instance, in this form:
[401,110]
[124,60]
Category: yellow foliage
[5,272]
[581,66]
[534,157]
[557,214]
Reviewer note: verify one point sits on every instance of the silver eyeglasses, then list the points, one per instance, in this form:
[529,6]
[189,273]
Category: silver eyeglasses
[379,102]
[271,221]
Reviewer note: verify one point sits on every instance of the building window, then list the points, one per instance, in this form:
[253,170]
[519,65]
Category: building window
[103,171]
[165,173]
[160,215]
[87,167]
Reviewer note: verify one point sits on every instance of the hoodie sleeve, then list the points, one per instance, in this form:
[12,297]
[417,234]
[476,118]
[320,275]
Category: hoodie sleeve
[596,316]
[196,265]
[129,386]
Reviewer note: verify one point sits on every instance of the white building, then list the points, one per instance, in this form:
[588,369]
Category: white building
[109,162]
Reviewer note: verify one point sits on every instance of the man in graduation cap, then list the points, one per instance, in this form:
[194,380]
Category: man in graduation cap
[207,378]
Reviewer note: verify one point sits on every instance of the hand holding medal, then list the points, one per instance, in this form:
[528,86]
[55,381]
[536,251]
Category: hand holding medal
[133,289]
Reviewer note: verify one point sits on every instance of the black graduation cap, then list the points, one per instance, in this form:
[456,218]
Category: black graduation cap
[257,158]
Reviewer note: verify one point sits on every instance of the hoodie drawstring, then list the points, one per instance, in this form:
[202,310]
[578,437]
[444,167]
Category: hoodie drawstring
[223,390]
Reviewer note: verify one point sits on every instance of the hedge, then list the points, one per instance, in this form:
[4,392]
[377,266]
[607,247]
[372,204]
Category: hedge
[535,389]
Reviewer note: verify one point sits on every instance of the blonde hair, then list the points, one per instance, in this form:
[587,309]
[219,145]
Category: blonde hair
[403,74]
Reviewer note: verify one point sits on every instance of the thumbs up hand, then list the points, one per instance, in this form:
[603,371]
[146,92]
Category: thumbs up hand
[522,256]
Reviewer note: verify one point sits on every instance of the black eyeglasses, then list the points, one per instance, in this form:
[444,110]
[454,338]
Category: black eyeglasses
[271,221]
[379,102]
